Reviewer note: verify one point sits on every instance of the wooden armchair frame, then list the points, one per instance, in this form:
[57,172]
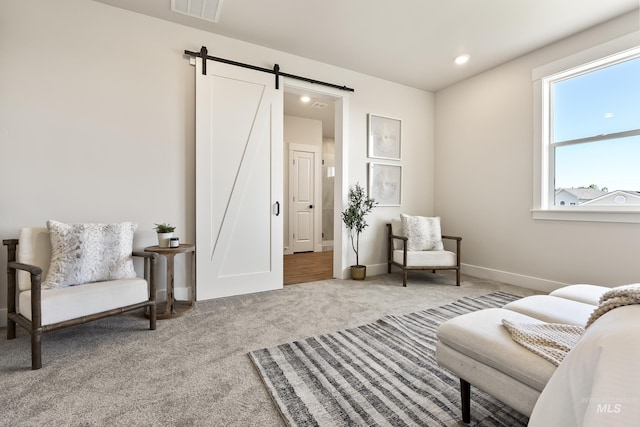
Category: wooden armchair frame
[35,327]
[405,268]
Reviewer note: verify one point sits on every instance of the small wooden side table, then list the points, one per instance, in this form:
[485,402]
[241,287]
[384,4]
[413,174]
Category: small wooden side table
[173,308]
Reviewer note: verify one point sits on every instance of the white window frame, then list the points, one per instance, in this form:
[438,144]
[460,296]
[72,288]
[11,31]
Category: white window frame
[543,203]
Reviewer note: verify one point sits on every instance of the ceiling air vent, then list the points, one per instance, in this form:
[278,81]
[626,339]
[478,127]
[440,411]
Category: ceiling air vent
[209,10]
[317,104]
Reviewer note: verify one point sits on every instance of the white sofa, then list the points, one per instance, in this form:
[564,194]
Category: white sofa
[40,310]
[480,350]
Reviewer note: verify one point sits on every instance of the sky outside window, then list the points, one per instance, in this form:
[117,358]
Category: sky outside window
[601,102]
[613,164]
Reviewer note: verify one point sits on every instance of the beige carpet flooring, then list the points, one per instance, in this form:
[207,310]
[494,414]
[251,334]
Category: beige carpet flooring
[194,370]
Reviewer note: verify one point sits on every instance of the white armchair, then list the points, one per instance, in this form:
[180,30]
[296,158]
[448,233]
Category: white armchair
[41,302]
[415,243]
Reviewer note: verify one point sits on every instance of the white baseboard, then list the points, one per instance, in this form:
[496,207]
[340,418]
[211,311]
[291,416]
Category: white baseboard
[372,270]
[179,293]
[535,283]
[376,269]
[182,293]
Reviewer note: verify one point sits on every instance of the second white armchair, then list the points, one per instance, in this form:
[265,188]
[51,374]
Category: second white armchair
[415,243]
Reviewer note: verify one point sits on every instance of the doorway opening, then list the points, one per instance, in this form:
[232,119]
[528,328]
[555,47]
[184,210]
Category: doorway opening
[312,184]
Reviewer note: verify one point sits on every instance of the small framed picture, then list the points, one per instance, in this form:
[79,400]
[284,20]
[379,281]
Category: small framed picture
[384,137]
[385,184]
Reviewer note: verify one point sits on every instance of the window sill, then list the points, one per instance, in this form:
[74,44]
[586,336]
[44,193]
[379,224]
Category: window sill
[618,216]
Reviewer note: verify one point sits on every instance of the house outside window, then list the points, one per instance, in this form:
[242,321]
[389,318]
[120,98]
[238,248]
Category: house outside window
[588,137]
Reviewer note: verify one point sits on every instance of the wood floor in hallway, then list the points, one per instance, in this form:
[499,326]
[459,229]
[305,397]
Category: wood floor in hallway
[308,267]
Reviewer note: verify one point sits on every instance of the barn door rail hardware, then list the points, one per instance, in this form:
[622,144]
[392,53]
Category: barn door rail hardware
[204,54]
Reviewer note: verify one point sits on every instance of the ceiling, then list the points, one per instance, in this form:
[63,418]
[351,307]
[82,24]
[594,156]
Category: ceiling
[412,42]
[318,108]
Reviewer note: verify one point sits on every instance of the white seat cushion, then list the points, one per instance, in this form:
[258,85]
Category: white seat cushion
[426,258]
[588,294]
[481,336]
[552,309]
[60,304]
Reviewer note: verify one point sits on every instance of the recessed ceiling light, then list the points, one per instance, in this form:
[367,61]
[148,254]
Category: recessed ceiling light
[462,59]
[305,99]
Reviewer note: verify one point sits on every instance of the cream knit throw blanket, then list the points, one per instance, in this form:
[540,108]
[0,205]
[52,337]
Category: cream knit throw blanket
[616,297]
[553,341]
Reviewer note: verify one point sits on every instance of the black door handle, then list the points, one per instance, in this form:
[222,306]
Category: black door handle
[310,206]
[277,208]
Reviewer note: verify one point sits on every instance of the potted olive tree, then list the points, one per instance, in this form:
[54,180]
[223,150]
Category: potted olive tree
[165,232]
[358,206]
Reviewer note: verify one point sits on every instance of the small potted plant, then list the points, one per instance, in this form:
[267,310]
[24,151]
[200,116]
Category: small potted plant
[358,206]
[165,232]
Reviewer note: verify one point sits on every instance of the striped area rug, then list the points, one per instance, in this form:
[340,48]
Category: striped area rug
[381,374]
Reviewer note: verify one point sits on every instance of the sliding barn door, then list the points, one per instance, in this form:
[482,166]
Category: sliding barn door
[239,153]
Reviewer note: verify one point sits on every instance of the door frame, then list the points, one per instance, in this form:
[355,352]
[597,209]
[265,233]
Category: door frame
[317,194]
[341,185]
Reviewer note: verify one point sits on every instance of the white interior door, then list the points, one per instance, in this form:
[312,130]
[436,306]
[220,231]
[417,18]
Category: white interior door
[239,143]
[303,199]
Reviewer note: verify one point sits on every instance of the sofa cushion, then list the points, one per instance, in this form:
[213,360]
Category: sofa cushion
[426,258]
[552,309]
[588,294]
[424,233]
[60,304]
[85,253]
[481,336]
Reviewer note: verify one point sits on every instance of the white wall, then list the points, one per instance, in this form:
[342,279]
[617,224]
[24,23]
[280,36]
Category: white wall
[484,186]
[97,120]
[300,130]
[417,166]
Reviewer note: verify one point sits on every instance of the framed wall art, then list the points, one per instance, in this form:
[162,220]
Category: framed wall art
[385,184]
[384,137]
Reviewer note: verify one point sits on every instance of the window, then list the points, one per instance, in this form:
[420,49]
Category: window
[589,138]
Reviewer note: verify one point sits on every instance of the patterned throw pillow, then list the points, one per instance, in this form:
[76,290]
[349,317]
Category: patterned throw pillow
[424,233]
[85,253]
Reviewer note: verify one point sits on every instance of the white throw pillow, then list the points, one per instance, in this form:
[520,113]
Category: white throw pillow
[424,233]
[85,253]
